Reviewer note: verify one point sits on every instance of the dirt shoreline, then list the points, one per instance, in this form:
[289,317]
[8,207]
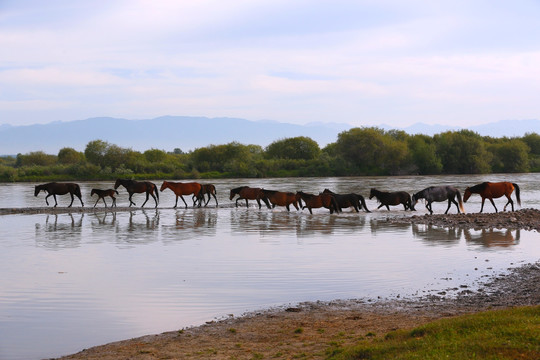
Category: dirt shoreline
[309,330]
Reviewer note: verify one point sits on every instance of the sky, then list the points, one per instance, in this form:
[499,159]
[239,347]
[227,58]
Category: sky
[364,63]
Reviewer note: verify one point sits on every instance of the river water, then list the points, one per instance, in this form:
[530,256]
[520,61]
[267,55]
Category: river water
[75,280]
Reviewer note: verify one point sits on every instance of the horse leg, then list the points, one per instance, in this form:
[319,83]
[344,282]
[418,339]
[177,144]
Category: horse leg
[509,202]
[96,201]
[147,197]
[493,203]
[286,206]
[46,201]
[104,202]
[181,197]
[388,207]
[55,202]
[380,206]
[82,204]
[131,202]
[215,198]
[428,206]
[176,203]
[113,201]
[258,202]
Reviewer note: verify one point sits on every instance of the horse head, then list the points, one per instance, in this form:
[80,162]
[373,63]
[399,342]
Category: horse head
[37,190]
[163,186]
[372,193]
[467,194]
[117,183]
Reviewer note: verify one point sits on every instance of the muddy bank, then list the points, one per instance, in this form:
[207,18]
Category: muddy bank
[524,219]
[308,330]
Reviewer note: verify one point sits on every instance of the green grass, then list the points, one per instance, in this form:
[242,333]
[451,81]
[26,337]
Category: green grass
[503,334]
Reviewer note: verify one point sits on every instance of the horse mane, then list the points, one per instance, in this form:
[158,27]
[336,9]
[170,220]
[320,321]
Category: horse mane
[269,191]
[236,190]
[479,187]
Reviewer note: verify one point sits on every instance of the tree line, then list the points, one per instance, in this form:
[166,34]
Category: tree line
[356,152]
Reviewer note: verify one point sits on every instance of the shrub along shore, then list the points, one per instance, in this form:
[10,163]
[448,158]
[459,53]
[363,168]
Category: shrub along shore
[356,152]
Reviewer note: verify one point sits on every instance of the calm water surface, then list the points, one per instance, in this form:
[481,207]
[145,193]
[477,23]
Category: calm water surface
[71,281]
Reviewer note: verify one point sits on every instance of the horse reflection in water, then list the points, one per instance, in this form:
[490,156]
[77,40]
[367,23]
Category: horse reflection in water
[392,198]
[489,190]
[54,188]
[57,233]
[493,237]
[439,193]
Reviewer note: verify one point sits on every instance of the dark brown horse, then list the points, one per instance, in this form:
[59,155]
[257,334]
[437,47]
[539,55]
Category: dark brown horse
[133,186]
[344,201]
[317,201]
[492,191]
[280,198]
[392,198]
[249,193]
[206,189]
[180,189]
[55,188]
[103,193]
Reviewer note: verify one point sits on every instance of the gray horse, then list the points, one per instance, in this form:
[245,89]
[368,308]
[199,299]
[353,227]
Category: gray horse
[439,193]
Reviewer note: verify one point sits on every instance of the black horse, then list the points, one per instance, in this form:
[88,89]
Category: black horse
[55,188]
[133,187]
[347,200]
[392,198]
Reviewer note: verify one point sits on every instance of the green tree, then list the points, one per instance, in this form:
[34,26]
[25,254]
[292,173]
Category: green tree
[510,156]
[372,150]
[155,155]
[533,141]
[299,147]
[38,158]
[463,152]
[95,152]
[424,156]
[70,156]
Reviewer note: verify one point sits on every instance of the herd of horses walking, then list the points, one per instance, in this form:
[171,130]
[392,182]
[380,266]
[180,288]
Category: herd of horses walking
[300,200]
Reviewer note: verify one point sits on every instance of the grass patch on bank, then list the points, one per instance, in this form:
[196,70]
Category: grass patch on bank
[501,334]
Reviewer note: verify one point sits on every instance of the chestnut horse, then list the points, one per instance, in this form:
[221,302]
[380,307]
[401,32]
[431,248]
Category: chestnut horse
[248,193]
[317,201]
[493,191]
[206,189]
[55,188]
[344,201]
[102,194]
[282,198]
[392,198]
[133,186]
[180,189]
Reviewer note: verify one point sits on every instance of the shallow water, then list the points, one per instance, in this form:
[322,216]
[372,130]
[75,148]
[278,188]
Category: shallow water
[71,281]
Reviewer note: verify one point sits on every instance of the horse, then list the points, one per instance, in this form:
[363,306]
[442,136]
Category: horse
[282,198]
[439,193]
[55,188]
[317,201]
[392,198]
[133,186]
[103,193]
[493,191]
[180,189]
[248,193]
[347,200]
[206,189]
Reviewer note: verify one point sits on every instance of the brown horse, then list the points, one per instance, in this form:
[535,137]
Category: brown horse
[55,188]
[180,189]
[206,189]
[138,187]
[248,193]
[317,201]
[493,191]
[102,194]
[392,198]
[282,198]
[344,201]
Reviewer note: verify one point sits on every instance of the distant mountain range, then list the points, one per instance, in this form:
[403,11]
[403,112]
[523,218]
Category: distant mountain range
[188,133]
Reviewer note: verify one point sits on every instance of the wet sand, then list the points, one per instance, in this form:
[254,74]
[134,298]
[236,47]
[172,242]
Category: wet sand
[309,330]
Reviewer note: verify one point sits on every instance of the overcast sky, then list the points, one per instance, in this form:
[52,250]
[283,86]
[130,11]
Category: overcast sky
[358,62]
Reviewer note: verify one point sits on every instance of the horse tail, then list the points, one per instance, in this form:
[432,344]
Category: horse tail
[335,204]
[156,191]
[459,201]
[363,203]
[517,193]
